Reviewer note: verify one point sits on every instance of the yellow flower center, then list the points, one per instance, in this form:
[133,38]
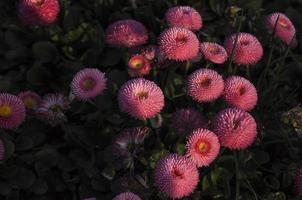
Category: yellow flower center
[203,147]
[55,108]
[5,111]
[137,64]
[88,84]
[282,22]
[29,103]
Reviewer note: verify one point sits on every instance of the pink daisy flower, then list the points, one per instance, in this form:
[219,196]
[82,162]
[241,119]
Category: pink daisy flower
[141,98]
[178,44]
[38,12]
[138,65]
[186,119]
[240,93]
[88,83]
[298,182]
[185,17]
[205,85]
[12,111]
[248,49]
[235,128]
[30,99]
[127,196]
[213,52]
[176,176]
[202,147]
[126,33]
[2,150]
[128,137]
[285,30]
[52,107]
[149,52]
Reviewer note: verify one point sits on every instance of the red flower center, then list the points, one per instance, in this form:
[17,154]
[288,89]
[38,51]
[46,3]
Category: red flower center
[242,90]
[236,124]
[244,43]
[37,2]
[214,50]
[283,22]
[142,95]
[181,39]
[205,83]
[177,173]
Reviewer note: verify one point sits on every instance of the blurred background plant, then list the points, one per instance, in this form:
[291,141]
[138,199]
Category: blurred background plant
[74,161]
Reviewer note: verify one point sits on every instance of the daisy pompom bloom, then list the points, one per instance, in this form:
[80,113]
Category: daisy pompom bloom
[185,17]
[205,85]
[128,138]
[176,176]
[140,98]
[178,44]
[88,83]
[52,107]
[2,150]
[235,128]
[202,147]
[240,93]
[298,182]
[248,49]
[138,65]
[30,99]
[12,111]
[186,119]
[284,30]
[149,52]
[126,33]
[213,52]
[127,196]
[38,12]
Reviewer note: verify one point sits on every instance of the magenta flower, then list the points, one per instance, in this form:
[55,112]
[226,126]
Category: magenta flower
[30,99]
[38,12]
[88,83]
[205,85]
[127,196]
[213,52]
[126,33]
[184,17]
[235,128]
[12,111]
[285,30]
[140,98]
[138,66]
[202,147]
[52,107]
[240,93]
[248,49]
[150,52]
[185,120]
[178,44]
[176,176]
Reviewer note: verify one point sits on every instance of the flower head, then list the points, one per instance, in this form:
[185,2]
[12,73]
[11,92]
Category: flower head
[205,85]
[138,65]
[12,111]
[185,17]
[127,140]
[235,128]
[202,147]
[150,52]
[52,107]
[140,98]
[88,83]
[30,99]
[178,44]
[248,50]
[176,176]
[127,196]
[126,33]
[240,93]
[298,182]
[284,30]
[186,119]
[213,52]
[38,12]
